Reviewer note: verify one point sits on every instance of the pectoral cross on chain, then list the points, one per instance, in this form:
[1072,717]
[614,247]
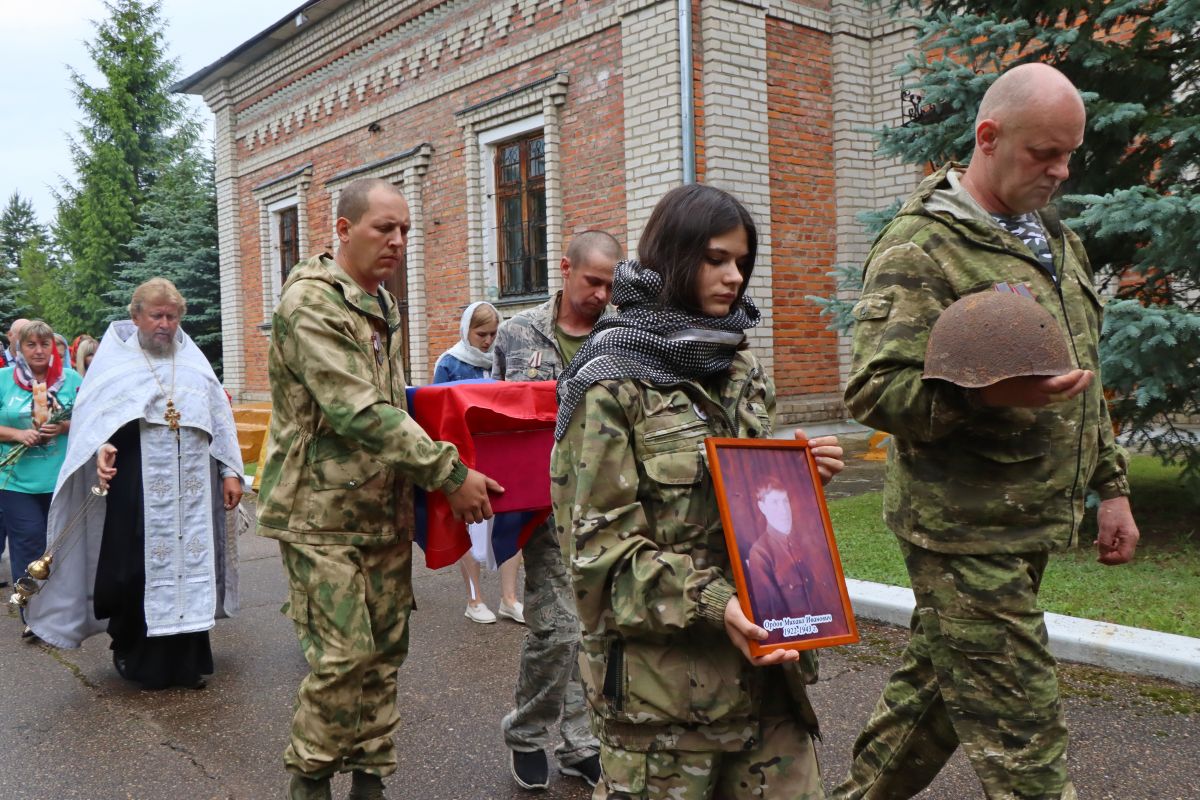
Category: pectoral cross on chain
[172,416]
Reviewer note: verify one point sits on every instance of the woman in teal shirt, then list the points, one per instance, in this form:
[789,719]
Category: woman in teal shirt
[27,485]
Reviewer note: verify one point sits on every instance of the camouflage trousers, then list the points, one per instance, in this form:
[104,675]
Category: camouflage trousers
[350,607]
[977,671]
[783,766]
[548,685]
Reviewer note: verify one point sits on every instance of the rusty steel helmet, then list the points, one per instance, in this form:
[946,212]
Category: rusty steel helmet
[986,337]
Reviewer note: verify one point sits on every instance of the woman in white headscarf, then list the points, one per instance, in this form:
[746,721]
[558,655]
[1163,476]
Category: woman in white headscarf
[471,359]
[471,356]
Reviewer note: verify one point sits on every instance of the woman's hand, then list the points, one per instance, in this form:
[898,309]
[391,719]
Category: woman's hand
[26,436]
[741,630]
[106,461]
[828,453]
[50,430]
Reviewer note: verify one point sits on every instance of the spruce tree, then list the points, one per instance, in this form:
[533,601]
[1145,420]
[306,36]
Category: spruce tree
[1133,191]
[18,226]
[177,239]
[39,276]
[125,138]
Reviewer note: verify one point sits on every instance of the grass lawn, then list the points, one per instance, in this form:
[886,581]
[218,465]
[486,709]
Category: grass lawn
[1158,590]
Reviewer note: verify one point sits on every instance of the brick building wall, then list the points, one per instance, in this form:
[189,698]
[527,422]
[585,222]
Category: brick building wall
[803,206]
[737,150]
[417,92]
[301,125]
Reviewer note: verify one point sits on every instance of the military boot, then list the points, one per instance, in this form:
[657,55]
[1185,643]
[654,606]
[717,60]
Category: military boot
[302,788]
[365,786]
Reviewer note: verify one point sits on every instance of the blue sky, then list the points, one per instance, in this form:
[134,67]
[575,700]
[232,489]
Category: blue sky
[43,38]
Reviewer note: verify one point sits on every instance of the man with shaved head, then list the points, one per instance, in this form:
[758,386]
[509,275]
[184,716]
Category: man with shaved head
[536,345]
[984,483]
[342,458]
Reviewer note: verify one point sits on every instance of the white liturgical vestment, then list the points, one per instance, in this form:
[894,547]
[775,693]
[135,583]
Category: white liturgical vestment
[190,543]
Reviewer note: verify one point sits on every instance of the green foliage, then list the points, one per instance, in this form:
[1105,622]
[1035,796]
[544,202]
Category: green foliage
[128,133]
[177,240]
[9,310]
[837,308]
[1150,359]
[39,273]
[18,226]
[1134,190]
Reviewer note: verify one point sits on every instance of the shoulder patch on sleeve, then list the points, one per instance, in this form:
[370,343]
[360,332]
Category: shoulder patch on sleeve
[872,306]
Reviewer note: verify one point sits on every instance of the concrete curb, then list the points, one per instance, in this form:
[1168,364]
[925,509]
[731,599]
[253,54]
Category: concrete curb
[1117,647]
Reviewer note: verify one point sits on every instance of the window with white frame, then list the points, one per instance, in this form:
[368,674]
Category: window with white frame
[516,237]
[283,232]
[285,241]
[514,191]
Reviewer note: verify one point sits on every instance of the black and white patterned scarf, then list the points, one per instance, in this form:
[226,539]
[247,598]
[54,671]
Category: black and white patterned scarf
[650,342]
[1028,228]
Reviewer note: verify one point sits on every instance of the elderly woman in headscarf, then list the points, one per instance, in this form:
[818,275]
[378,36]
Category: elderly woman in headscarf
[470,359]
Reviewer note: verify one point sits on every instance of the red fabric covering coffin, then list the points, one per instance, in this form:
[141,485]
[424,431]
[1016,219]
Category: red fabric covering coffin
[503,429]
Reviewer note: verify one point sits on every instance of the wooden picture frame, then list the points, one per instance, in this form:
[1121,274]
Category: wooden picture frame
[789,582]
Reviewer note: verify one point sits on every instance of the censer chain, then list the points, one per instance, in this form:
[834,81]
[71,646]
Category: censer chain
[40,569]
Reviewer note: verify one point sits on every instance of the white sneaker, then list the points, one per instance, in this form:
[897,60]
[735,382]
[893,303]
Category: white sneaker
[515,612]
[480,613]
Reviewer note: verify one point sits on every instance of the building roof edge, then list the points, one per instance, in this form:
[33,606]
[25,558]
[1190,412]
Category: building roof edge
[274,36]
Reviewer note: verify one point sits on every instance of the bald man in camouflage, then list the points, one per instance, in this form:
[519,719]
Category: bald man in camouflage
[982,484]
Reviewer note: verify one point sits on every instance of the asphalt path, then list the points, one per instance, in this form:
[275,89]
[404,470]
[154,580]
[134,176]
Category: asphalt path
[71,728]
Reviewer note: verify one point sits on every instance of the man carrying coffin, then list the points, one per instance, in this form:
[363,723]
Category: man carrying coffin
[155,561]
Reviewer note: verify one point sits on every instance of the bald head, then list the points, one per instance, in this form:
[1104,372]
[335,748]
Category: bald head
[583,244]
[1029,123]
[1028,90]
[14,331]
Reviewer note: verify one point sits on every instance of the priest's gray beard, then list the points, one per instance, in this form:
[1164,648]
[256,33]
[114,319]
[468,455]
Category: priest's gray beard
[155,346]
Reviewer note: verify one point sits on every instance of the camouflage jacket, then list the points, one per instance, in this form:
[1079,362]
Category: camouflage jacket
[635,510]
[962,478]
[341,450]
[526,348]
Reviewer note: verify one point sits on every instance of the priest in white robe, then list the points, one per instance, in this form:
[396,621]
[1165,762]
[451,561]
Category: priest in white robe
[154,562]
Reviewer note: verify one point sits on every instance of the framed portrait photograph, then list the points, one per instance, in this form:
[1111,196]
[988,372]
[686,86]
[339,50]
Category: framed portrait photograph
[785,561]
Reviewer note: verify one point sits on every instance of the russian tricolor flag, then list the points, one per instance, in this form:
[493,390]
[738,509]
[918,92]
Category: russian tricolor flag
[504,429]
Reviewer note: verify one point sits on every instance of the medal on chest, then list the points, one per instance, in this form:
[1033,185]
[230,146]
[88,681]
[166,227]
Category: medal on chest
[534,363]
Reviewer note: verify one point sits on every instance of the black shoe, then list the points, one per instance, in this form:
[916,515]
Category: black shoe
[529,769]
[28,634]
[365,786]
[588,769]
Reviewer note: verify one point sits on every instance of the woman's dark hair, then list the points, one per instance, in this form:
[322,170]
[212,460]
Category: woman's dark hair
[676,237]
